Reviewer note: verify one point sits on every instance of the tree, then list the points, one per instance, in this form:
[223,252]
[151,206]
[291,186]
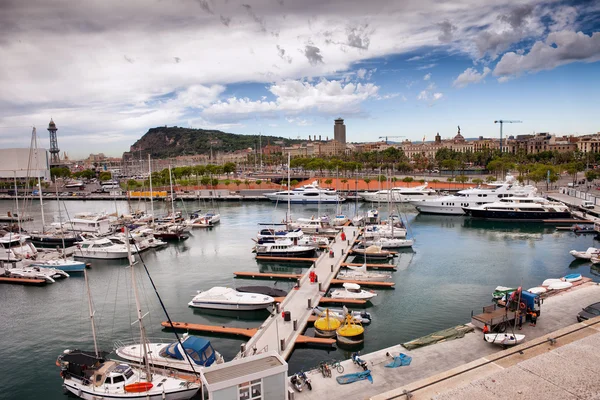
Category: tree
[205,181]
[214,182]
[462,179]
[367,181]
[229,168]
[573,168]
[477,181]
[105,176]
[408,179]
[294,182]
[328,182]
[258,182]
[237,183]
[247,183]
[450,165]
[227,182]
[60,172]
[490,179]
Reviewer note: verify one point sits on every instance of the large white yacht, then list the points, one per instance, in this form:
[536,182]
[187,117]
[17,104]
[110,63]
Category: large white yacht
[399,194]
[222,298]
[307,194]
[521,209]
[454,204]
[101,248]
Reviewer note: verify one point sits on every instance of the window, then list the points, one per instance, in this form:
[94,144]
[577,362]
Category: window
[118,379]
[250,390]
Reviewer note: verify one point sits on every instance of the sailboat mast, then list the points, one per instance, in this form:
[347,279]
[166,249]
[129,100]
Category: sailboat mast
[91,309]
[62,229]
[138,307]
[37,169]
[17,203]
[151,193]
[289,210]
[172,197]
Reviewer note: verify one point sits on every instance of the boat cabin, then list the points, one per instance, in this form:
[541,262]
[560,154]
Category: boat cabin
[199,350]
[352,287]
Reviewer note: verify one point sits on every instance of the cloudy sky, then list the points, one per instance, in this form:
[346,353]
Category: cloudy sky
[107,71]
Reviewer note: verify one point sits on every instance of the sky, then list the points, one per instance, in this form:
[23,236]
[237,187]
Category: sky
[107,71]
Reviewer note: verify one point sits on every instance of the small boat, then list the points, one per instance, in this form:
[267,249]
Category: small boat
[318,226]
[351,332]
[384,231]
[537,290]
[354,377]
[340,313]
[578,229]
[361,274]
[171,232]
[222,298]
[171,354]
[339,220]
[203,220]
[283,248]
[352,291]
[505,339]
[373,253]
[61,264]
[572,277]
[585,255]
[550,281]
[559,285]
[101,249]
[500,291]
[389,243]
[266,290]
[326,325]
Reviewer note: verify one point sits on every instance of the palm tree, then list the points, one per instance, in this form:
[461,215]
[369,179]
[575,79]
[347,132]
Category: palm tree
[367,181]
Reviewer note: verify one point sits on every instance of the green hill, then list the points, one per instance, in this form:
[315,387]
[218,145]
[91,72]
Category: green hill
[163,142]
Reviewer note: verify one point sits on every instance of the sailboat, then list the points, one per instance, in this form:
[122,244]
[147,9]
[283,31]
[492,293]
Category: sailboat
[173,230]
[91,376]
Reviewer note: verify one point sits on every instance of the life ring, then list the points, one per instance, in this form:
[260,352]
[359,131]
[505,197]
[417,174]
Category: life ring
[522,306]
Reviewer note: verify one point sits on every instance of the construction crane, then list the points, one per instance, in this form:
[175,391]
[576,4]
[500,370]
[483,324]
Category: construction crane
[502,122]
[386,138]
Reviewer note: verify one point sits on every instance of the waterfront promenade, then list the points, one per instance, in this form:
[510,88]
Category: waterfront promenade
[276,333]
[433,362]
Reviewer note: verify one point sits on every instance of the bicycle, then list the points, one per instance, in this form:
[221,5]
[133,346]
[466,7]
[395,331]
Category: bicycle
[337,366]
[325,370]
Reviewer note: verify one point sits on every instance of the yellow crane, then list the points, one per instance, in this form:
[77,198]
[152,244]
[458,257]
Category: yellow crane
[502,122]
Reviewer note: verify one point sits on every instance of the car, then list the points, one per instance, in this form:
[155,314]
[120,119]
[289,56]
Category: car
[435,171]
[587,204]
[591,311]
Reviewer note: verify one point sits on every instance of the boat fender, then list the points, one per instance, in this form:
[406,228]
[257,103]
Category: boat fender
[522,306]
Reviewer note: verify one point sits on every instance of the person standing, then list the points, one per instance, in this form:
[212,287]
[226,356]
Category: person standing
[486,330]
[533,318]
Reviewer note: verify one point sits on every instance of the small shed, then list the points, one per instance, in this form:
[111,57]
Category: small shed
[258,377]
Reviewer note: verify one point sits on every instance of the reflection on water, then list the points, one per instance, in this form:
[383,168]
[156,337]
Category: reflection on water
[219,316]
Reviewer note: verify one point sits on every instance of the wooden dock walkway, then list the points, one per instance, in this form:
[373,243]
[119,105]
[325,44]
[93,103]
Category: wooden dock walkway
[22,281]
[263,275]
[246,332]
[280,335]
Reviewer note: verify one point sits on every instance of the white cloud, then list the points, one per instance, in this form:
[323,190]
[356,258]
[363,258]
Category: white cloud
[326,97]
[470,75]
[437,96]
[361,73]
[560,48]
[426,66]
[427,77]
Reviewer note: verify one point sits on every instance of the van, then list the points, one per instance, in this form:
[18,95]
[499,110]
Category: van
[587,204]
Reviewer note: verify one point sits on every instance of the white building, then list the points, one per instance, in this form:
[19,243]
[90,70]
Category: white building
[259,377]
[18,162]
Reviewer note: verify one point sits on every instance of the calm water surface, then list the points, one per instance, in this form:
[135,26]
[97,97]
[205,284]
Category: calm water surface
[455,265]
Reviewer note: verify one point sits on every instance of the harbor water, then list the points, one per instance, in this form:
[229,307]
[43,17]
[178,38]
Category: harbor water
[452,270]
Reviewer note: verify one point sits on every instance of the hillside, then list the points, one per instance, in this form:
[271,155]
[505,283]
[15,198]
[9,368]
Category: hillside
[163,142]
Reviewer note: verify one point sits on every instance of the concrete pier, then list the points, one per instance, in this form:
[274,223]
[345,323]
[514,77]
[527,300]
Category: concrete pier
[280,335]
[438,362]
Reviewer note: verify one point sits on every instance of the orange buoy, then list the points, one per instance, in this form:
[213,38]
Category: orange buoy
[138,387]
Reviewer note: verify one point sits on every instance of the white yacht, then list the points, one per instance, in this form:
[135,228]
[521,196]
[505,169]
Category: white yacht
[388,243]
[399,194]
[101,249]
[297,236]
[384,231]
[15,247]
[86,222]
[283,248]
[203,220]
[314,225]
[163,353]
[222,298]
[521,209]
[454,204]
[27,271]
[307,194]
[352,291]
[361,274]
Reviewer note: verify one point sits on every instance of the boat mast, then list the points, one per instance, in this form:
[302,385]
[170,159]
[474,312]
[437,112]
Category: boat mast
[138,307]
[289,210]
[172,197]
[91,309]
[17,203]
[62,228]
[151,193]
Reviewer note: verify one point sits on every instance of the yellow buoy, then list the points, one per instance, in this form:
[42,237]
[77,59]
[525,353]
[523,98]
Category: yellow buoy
[326,325]
[351,332]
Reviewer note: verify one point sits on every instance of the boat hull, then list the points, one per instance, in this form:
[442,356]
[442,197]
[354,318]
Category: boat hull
[505,339]
[303,253]
[228,306]
[432,209]
[83,393]
[517,216]
[70,267]
[100,255]
[53,242]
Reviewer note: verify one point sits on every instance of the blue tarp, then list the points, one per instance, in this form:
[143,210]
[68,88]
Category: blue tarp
[199,350]
[358,376]
[399,361]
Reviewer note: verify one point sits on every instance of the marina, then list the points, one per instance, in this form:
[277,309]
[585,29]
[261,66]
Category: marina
[414,273]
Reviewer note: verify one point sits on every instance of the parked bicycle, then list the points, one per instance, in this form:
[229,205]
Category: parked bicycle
[325,370]
[336,364]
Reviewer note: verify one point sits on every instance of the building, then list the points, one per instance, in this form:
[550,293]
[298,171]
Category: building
[259,377]
[589,143]
[16,163]
[54,150]
[534,144]
[339,131]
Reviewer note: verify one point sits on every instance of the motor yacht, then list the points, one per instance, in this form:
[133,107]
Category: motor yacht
[222,298]
[399,194]
[384,231]
[520,209]
[167,354]
[307,194]
[372,253]
[361,274]
[297,236]
[101,248]
[585,255]
[314,225]
[388,243]
[283,248]
[352,291]
[203,220]
[15,247]
[455,204]
[63,264]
